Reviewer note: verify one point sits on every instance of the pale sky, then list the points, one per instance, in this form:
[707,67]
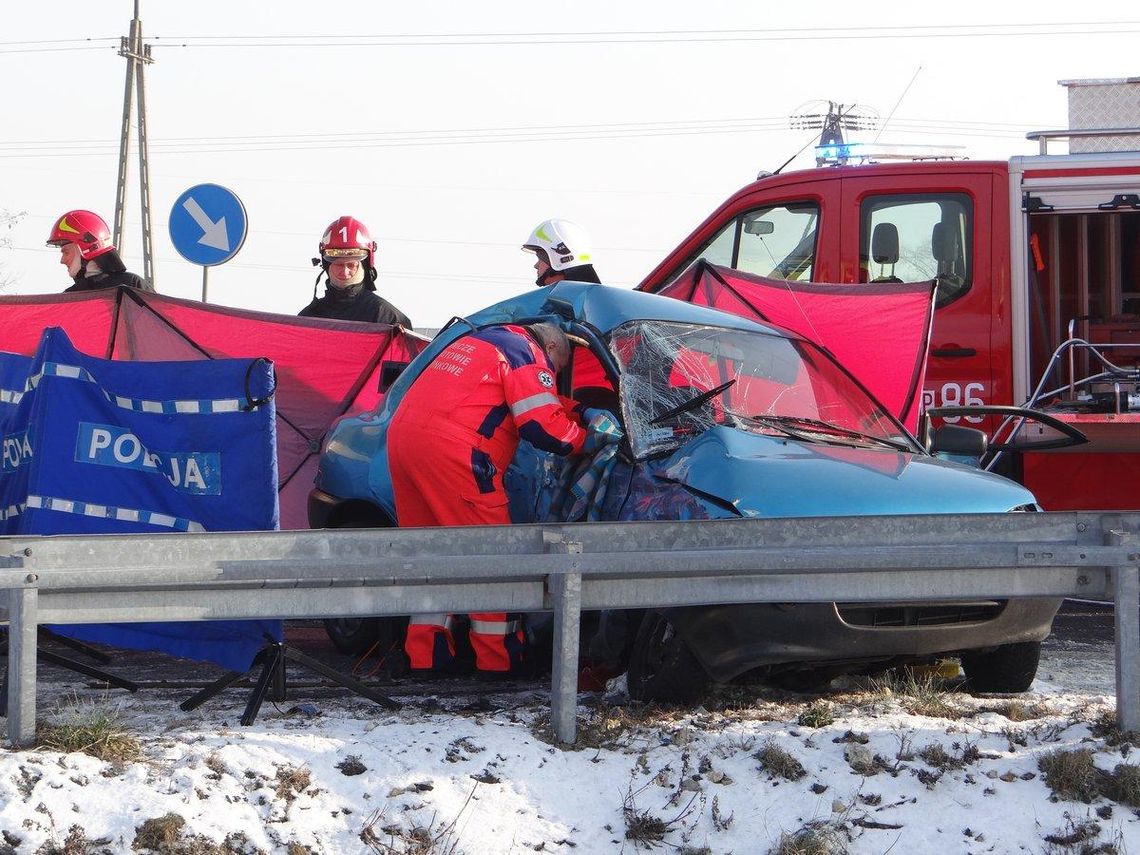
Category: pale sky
[452,128]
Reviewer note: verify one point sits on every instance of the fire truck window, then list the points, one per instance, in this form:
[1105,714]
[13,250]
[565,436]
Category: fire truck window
[720,249]
[933,241]
[776,241]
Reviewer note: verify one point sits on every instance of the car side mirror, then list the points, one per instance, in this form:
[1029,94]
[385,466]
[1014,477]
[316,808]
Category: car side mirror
[959,441]
[390,370]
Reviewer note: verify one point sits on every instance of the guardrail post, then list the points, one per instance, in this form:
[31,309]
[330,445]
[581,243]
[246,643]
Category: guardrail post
[1126,609]
[566,591]
[22,630]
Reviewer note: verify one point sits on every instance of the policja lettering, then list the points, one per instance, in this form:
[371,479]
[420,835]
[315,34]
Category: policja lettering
[17,450]
[107,445]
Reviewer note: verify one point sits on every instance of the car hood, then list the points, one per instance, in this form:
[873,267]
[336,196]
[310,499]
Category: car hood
[768,476]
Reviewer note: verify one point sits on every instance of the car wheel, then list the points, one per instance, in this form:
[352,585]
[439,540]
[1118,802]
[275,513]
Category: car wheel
[662,667]
[353,635]
[350,635]
[1009,668]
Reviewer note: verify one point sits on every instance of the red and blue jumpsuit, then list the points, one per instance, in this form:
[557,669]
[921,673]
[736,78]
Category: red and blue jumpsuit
[452,438]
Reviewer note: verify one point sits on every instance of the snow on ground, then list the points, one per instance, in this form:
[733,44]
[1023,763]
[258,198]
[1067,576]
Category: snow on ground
[906,771]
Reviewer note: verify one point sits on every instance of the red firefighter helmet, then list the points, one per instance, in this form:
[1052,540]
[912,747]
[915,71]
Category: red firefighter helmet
[347,237]
[86,230]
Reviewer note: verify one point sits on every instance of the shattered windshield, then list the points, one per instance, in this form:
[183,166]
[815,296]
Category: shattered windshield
[679,380]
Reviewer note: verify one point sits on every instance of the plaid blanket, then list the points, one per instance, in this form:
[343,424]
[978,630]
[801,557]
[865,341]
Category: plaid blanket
[584,485]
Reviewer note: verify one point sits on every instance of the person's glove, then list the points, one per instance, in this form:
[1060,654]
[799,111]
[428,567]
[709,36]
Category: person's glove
[591,413]
[602,429]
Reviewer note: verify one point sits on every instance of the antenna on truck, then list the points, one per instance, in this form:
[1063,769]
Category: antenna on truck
[892,113]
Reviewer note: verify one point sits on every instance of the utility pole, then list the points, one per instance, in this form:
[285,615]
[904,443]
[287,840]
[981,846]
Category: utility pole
[839,117]
[138,58]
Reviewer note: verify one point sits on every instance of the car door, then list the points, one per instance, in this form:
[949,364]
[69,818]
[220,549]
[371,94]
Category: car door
[912,227]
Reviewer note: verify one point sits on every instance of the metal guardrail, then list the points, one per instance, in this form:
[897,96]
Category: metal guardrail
[565,569]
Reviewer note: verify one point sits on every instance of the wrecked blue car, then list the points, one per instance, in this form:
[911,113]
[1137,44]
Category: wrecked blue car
[723,417]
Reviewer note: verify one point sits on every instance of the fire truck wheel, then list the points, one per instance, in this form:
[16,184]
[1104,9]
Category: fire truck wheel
[662,667]
[1009,668]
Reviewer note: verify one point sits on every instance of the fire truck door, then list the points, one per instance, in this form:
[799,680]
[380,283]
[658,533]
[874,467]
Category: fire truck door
[895,231]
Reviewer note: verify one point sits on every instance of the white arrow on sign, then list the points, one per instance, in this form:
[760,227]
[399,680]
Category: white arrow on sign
[213,234]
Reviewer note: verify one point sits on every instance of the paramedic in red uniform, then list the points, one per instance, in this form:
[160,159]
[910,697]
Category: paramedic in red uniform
[451,440]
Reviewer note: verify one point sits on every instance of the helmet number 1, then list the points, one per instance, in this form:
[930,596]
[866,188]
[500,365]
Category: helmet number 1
[343,234]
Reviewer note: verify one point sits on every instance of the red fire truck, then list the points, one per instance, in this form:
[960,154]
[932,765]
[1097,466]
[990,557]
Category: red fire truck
[1037,265]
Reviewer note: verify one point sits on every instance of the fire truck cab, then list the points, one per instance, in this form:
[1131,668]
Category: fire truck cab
[1037,268]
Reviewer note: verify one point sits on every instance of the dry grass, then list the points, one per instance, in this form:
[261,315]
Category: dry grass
[918,693]
[937,756]
[646,829]
[779,763]
[90,729]
[393,839]
[161,834]
[818,713]
[292,782]
[1106,728]
[1071,775]
[815,838]
[604,726]
[76,843]
[1123,784]
[166,835]
[1079,838]
[1017,711]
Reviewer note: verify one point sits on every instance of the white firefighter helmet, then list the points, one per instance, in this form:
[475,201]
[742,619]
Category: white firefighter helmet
[564,244]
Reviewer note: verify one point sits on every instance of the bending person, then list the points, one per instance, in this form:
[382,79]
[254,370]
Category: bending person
[451,440]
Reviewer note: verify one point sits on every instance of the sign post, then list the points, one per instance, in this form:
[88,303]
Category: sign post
[208,226]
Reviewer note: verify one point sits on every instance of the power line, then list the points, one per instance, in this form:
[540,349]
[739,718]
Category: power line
[737,122]
[1019,30]
[60,41]
[417,138]
[53,50]
[381,134]
[1059,28]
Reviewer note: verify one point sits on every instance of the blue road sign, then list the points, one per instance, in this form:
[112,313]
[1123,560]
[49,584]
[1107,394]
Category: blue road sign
[208,225]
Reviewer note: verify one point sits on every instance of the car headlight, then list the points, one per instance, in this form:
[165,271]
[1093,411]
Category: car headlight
[1031,508]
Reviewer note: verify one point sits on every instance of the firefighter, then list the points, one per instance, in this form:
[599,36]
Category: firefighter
[562,251]
[450,442]
[86,251]
[348,259]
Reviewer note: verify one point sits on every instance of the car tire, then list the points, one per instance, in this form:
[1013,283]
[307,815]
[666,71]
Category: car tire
[662,667]
[353,635]
[1006,669]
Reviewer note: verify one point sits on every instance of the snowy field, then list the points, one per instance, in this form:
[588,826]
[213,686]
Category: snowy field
[869,767]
